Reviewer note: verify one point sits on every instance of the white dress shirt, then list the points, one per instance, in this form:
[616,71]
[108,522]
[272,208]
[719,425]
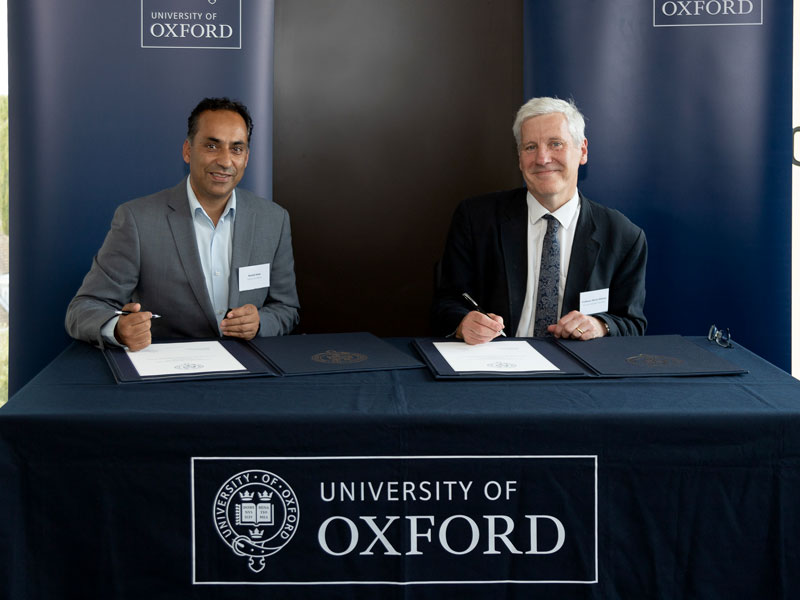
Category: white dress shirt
[567,216]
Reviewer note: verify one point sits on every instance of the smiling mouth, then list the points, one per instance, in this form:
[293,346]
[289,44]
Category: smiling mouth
[221,176]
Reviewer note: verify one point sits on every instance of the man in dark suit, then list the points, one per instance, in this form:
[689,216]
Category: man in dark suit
[209,259]
[500,246]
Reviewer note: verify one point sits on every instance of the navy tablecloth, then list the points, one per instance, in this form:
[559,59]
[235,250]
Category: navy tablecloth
[697,481]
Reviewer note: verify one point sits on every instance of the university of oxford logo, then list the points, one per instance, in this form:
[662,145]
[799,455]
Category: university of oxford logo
[256,514]
[191,24]
[693,13]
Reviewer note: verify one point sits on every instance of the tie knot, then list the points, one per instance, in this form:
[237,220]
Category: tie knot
[552,222]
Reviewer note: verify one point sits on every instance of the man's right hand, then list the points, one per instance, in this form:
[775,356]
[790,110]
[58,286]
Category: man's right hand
[477,328]
[133,330]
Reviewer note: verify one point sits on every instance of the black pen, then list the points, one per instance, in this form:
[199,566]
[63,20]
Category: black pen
[127,312]
[474,304]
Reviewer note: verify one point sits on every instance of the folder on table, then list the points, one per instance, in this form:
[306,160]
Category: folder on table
[435,353]
[242,361]
[648,356]
[332,353]
[626,356]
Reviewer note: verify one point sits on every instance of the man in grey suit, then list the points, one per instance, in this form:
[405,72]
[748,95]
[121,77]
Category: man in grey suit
[527,255]
[199,260]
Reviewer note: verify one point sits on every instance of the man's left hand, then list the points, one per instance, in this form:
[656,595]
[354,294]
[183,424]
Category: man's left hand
[241,322]
[577,326]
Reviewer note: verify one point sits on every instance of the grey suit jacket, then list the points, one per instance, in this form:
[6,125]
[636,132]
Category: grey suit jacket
[486,256]
[150,256]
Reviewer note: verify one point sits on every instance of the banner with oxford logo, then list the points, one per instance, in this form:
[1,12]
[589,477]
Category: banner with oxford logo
[394,520]
[688,107]
[101,92]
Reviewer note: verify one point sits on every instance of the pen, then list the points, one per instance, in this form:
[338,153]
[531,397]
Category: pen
[474,304]
[127,312]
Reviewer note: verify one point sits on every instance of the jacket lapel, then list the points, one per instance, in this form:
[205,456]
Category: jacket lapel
[182,227]
[243,235]
[514,237]
[585,248]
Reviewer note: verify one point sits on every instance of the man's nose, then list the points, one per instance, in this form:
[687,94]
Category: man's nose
[224,157]
[543,155]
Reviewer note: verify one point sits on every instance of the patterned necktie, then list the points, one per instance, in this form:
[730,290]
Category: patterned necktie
[549,277]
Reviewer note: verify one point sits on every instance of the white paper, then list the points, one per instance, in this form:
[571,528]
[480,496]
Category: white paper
[594,302]
[499,356]
[183,358]
[253,277]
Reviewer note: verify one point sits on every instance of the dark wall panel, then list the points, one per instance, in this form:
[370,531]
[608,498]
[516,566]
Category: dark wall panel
[386,114]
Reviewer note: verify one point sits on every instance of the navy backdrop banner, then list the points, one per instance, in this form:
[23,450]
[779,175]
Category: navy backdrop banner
[101,94]
[688,108]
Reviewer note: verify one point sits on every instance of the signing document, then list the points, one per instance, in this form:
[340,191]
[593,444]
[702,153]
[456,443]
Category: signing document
[499,356]
[183,358]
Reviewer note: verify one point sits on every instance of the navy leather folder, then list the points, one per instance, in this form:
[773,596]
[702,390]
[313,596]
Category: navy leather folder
[568,366]
[255,366]
[648,356]
[332,353]
[625,356]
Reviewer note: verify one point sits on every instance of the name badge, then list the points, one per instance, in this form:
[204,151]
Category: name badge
[253,277]
[594,302]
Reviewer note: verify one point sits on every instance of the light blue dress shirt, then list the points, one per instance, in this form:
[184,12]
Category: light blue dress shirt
[215,245]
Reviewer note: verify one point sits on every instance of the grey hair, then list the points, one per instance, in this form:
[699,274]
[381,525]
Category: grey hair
[544,106]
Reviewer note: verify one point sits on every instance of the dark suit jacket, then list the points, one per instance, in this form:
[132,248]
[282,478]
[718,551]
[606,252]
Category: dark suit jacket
[487,256]
[150,256]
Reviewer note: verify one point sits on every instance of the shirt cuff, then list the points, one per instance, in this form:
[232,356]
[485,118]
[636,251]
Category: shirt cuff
[107,332]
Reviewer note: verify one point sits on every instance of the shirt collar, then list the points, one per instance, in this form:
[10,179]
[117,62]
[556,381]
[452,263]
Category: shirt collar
[194,203]
[564,214]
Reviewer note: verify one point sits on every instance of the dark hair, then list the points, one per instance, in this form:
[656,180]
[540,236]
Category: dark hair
[219,104]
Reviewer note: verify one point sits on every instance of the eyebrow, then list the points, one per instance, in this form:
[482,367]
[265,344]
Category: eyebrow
[219,141]
[549,140]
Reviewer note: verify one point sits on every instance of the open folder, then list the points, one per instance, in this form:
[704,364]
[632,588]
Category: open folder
[186,360]
[629,356]
[260,357]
